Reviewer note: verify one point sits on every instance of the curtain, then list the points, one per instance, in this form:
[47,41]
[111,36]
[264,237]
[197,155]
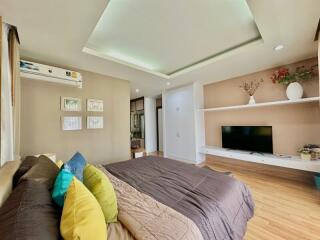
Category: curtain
[10,94]
[14,56]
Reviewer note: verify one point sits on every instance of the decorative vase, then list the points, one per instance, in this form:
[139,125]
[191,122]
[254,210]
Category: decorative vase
[252,101]
[294,91]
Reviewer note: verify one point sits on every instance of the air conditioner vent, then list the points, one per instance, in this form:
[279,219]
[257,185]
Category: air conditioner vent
[37,71]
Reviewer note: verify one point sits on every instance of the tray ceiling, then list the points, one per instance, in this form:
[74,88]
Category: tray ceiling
[168,37]
[56,32]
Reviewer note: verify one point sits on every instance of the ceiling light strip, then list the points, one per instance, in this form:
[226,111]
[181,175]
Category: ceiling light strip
[211,59]
[105,56]
[215,57]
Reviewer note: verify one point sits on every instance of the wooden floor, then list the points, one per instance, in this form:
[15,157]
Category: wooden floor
[285,209]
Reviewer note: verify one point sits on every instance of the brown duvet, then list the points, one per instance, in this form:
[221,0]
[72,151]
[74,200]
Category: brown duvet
[147,219]
[218,205]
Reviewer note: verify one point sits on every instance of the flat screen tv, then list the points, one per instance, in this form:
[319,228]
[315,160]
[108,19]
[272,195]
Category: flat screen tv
[248,138]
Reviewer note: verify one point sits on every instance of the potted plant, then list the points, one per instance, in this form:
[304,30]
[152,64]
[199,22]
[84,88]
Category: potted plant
[305,153]
[309,152]
[250,88]
[292,80]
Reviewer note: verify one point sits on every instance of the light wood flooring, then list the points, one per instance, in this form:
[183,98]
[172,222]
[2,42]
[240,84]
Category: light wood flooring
[285,209]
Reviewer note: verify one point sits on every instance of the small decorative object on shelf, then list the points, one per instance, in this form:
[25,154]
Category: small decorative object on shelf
[310,152]
[292,80]
[250,88]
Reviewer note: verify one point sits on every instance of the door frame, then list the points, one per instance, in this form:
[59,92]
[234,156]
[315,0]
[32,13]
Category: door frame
[157,122]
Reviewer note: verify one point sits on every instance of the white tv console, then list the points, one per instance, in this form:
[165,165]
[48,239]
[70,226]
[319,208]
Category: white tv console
[286,161]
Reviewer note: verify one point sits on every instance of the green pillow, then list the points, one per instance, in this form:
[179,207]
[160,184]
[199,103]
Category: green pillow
[101,187]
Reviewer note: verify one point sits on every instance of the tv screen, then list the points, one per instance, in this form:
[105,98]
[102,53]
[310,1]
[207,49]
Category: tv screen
[249,138]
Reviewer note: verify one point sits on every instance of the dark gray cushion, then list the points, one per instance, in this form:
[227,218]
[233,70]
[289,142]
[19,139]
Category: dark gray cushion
[45,171]
[25,166]
[29,214]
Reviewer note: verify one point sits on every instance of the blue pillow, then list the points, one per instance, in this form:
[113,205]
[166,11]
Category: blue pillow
[76,165]
[61,185]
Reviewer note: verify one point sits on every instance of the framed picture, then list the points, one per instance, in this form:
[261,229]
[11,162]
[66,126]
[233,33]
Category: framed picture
[70,104]
[94,105]
[71,123]
[94,122]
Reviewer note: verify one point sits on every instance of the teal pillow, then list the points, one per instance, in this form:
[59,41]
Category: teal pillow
[61,185]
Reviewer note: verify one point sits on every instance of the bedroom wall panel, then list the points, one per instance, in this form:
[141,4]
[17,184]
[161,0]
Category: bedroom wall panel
[293,125]
[40,119]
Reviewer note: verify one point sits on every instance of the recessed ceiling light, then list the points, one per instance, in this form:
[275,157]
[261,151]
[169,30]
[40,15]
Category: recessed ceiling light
[278,47]
[137,90]
[168,83]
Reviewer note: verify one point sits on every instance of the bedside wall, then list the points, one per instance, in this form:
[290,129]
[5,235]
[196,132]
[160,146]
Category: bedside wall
[41,130]
[293,125]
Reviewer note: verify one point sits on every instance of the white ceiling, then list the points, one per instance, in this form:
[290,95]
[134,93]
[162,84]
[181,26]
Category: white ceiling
[167,36]
[56,32]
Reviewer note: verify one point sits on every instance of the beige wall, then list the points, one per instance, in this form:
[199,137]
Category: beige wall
[41,126]
[293,125]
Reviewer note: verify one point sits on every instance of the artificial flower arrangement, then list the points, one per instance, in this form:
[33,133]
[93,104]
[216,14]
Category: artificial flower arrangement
[251,87]
[292,80]
[284,77]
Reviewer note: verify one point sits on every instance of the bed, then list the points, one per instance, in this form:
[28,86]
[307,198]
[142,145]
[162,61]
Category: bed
[159,198]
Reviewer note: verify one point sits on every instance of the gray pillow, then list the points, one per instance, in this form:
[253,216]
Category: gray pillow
[24,167]
[29,214]
[45,171]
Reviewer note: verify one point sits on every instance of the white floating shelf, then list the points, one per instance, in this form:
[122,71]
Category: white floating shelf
[265,104]
[293,162]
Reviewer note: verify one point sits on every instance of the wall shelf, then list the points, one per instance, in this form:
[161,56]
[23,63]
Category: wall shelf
[265,104]
[286,161]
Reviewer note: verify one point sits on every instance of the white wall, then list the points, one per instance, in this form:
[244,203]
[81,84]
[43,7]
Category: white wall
[150,124]
[198,103]
[181,123]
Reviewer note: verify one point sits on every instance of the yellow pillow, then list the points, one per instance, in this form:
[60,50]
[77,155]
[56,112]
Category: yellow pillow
[82,217]
[59,163]
[101,187]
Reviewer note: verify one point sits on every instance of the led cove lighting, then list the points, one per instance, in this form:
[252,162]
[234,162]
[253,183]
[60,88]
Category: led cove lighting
[278,47]
[128,59]
[144,54]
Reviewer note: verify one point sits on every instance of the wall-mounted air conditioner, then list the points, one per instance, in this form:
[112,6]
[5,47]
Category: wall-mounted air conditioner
[37,71]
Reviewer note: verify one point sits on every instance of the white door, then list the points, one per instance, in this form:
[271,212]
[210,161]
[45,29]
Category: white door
[160,130]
